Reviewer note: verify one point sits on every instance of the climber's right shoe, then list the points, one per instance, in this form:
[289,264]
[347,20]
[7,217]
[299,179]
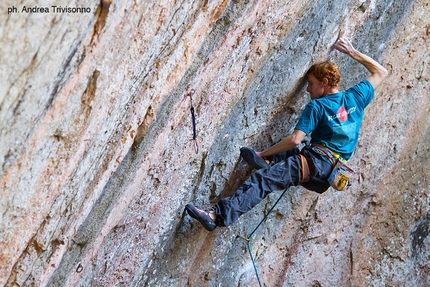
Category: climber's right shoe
[203,216]
[251,157]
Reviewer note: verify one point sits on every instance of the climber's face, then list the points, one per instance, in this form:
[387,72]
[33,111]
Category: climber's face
[315,88]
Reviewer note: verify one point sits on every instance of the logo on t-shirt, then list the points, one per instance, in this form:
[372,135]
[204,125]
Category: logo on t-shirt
[342,114]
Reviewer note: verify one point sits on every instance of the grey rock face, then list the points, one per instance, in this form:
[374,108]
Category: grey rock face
[97,159]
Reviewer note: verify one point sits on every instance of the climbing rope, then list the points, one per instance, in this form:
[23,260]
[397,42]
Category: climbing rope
[248,239]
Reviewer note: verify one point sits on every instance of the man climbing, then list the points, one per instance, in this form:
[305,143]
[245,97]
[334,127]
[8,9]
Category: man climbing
[333,118]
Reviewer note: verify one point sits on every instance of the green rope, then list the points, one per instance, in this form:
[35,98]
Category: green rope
[252,233]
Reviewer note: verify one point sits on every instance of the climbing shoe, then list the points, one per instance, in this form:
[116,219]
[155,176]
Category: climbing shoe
[203,216]
[251,157]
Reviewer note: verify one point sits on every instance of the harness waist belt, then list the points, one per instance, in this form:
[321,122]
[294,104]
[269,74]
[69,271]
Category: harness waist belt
[331,155]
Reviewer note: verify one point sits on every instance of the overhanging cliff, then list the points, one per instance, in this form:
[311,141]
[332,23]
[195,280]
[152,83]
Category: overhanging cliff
[97,159]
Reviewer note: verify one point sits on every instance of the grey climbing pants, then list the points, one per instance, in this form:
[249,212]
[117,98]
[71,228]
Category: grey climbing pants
[285,171]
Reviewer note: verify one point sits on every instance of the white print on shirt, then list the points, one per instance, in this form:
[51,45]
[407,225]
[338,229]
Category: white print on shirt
[342,114]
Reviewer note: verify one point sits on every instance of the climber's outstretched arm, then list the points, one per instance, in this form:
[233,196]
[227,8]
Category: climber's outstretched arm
[378,73]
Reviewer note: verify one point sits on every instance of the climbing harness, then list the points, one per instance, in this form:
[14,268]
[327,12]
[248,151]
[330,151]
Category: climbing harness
[248,239]
[330,155]
[305,171]
[339,177]
[193,118]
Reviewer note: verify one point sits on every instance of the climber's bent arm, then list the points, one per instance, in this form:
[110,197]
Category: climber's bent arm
[284,145]
[378,72]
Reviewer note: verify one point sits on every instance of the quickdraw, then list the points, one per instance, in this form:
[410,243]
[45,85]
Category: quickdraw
[79,268]
[193,118]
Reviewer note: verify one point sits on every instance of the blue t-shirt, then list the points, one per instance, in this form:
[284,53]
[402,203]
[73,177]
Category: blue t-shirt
[335,119]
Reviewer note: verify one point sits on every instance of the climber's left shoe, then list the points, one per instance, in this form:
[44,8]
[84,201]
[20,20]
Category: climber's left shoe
[203,216]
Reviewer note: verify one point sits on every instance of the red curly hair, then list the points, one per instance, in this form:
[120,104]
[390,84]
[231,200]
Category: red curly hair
[328,70]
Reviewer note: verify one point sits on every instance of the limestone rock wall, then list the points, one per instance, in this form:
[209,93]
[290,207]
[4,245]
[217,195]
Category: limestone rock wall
[97,159]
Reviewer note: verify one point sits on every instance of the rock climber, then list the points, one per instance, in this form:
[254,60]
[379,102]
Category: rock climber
[333,117]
